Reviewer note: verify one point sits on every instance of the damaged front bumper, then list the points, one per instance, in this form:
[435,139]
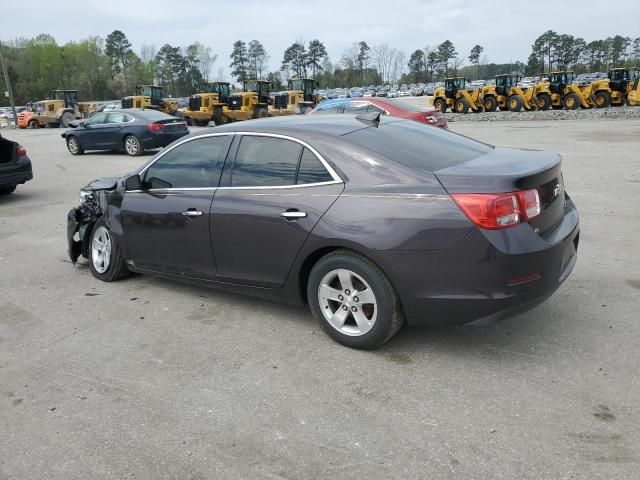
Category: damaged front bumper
[80,221]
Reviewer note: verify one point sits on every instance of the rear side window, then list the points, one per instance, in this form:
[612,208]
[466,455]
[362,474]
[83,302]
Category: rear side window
[311,169]
[419,147]
[194,164]
[265,161]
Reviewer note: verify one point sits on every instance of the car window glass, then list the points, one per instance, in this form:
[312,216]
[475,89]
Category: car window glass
[116,118]
[194,164]
[265,161]
[311,169]
[417,146]
[97,119]
[355,107]
[375,108]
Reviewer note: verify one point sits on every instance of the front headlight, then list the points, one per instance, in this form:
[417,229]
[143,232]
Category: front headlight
[84,195]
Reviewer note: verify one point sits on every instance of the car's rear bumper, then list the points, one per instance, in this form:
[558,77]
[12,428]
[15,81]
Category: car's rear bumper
[15,174]
[480,278]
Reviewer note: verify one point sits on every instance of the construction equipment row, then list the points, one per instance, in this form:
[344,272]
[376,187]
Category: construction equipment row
[622,86]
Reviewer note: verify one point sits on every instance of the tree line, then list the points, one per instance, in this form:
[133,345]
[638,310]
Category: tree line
[109,68]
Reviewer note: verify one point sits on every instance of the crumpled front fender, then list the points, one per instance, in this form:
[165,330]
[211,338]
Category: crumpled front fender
[81,220]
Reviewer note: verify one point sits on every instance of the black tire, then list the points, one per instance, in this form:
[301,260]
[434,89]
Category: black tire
[440,104]
[571,101]
[65,119]
[132,146]
[490,103]
[389,316]
[461,105]
[189,121]
[515,103]
[7,190]
[74,146]
[544,101]
[33,124]
[603,99]
[117,267]
[260,113]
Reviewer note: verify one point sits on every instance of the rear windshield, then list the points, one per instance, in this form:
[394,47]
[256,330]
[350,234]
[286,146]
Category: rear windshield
[154,115]
[419,147]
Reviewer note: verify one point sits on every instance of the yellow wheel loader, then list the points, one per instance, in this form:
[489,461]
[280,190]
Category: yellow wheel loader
[61,109]
[564,93]
[202,106]
[150,96]
[507,95]
[298,99]
[457,97]
[252,102]
[633,94]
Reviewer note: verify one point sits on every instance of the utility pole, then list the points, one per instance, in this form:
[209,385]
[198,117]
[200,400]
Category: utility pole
[8,83]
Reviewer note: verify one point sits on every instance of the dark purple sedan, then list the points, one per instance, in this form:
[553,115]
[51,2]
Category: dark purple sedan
[371,223]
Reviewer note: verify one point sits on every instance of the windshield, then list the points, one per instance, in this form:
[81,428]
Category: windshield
[251,87]
[224,90]
[297,85]
[460,82]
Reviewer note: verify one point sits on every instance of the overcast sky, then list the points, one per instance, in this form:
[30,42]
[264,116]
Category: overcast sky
[506,29]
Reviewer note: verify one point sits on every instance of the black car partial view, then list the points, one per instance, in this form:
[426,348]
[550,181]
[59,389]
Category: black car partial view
[15,166]
[371,222]
[132,131]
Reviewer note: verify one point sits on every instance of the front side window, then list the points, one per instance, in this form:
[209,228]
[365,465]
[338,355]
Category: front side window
[193,164]
[265,161]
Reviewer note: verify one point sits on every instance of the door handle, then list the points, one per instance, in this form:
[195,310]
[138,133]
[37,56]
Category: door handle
[293,215]
[192,212]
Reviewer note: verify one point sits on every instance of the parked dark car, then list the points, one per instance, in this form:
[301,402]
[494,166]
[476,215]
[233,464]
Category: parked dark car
[132,131]
[15,166]
[387,106]
[369,223]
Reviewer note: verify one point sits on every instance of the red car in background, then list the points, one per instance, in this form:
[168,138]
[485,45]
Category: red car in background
[394,107]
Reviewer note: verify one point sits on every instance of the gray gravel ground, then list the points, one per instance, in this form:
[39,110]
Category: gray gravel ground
[150,379]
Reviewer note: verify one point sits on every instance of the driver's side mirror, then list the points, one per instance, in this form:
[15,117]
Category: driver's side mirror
[133,183]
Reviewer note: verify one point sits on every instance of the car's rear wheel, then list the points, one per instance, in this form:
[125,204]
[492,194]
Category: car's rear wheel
[353,300]
[73,145]
[105,260]
[132,146]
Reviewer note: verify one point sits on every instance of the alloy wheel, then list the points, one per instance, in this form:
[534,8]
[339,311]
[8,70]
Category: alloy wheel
[131,145]
[101,249]
[73,145]
[347,302]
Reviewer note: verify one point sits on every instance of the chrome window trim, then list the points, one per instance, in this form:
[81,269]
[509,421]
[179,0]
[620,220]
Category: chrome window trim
[336,178]
[171,190]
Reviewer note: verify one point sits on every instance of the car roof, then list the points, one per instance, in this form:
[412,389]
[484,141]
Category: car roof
[335,125]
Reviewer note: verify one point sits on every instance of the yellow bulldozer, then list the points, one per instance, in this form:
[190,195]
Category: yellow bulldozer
[61,109]
[565,93]
[457,97]
[150,96]
[252,102]
[616,89]
[633,92]
[202,106]
[506,94]
[298,99]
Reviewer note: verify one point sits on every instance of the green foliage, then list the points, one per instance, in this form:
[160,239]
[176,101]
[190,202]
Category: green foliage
[240,61]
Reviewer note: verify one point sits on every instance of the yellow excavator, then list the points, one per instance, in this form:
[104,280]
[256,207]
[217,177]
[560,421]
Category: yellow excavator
[565,93]
[202,106]
[60,109]
[252,102]
[150,96]
[456,96]
[299,98]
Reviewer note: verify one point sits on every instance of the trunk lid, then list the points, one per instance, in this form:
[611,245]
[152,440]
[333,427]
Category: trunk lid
[8,152]
[505,170]
[173,124]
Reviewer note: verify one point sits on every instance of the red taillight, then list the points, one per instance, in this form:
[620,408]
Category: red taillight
[499,210]
[156,127]
[21,151]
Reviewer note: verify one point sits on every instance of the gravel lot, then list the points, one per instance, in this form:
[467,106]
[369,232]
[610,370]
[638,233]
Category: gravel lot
[151,379]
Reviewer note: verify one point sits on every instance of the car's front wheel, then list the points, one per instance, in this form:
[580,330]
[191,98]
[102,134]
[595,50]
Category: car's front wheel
[132,146]
[353,300]
[105,260]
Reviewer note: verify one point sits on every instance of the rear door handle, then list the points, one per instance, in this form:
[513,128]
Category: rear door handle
[192,212]
[293,215]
